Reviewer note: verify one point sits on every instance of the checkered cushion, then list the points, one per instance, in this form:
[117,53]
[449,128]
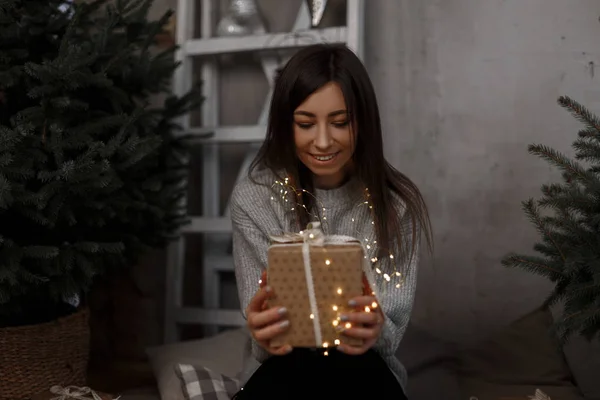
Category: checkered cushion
[201,383]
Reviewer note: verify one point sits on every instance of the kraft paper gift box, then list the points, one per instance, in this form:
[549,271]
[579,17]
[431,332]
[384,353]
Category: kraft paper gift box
[314,276]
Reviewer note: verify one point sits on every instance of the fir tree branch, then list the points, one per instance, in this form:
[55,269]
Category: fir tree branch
[532,264]
[580,113]
[533,214]
[587,150]
[571,168]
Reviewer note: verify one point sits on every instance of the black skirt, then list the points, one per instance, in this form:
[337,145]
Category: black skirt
[308,374]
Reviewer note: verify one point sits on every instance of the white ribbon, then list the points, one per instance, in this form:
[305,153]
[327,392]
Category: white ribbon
[74,393]
[314,236]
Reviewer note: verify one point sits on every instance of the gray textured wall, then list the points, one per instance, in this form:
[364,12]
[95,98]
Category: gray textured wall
[464,86]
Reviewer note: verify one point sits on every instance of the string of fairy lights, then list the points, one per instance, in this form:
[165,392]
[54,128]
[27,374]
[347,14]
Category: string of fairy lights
[286,192]
[289,197]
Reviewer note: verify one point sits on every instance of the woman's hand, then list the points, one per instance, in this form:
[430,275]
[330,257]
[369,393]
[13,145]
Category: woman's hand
[366,324]
[266,323]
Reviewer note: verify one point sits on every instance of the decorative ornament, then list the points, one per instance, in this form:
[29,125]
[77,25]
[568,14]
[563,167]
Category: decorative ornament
[242,18]
[67,8]
[316,8]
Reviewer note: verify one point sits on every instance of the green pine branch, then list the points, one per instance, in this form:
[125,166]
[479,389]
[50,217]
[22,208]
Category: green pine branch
[567,219]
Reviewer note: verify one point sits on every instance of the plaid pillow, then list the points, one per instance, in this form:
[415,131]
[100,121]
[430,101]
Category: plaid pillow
[201,383]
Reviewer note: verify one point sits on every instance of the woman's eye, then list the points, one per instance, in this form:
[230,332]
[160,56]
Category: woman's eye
[304,125]
[340,124]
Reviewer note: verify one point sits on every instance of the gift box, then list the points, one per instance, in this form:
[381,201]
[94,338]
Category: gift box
[314,276]
[72,393]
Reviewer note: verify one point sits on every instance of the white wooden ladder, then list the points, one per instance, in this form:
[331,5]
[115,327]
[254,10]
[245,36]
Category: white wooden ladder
[215,226]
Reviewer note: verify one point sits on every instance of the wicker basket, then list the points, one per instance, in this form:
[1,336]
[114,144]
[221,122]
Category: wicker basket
[34,358]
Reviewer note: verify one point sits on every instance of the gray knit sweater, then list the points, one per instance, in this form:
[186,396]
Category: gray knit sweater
[258,211]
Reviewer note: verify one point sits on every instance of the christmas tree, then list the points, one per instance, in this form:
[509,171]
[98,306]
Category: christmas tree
[567,217]
[91,175]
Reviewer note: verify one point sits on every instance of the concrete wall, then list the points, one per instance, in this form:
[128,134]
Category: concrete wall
[464,86]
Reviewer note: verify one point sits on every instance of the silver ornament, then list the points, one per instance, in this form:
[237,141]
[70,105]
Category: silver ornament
[242,18]
[316,9]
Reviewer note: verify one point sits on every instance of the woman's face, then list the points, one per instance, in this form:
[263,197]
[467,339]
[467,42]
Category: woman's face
[323,136]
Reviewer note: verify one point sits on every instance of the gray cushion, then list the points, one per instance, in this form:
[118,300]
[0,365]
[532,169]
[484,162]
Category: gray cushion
[516,361]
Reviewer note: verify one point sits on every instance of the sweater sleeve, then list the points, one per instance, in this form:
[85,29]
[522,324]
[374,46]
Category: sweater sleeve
[397,303]
[250,246]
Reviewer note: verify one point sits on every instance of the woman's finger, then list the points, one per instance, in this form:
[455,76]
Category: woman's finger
[258,320]
[359,332]
[258,300]
[271,331]
[364,301]
[280,351]
[365,318]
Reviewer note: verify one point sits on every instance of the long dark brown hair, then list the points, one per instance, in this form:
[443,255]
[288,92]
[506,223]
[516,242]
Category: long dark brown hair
[308,70]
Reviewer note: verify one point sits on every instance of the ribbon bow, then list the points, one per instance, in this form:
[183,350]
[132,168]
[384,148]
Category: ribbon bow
[313,234]
[74,393]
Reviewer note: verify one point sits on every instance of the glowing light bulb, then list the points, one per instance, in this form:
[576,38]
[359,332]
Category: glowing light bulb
[386,277]
[325,344]
[326,353]
[337,342]
[367,309]
[327,262]
[335,308]
[348,325]
[373,304]
[339,291]
[335,322]
[312,316]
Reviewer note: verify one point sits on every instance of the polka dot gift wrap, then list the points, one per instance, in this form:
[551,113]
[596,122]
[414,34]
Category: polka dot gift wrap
[317,296]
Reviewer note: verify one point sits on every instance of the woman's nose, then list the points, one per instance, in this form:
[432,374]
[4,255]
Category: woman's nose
[323,140]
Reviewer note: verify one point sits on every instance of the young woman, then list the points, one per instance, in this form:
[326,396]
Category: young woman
[324,145]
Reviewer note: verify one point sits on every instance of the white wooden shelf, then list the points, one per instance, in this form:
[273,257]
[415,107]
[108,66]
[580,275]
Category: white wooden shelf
[273,49]
[220,263]
[269,41]
[228,134]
